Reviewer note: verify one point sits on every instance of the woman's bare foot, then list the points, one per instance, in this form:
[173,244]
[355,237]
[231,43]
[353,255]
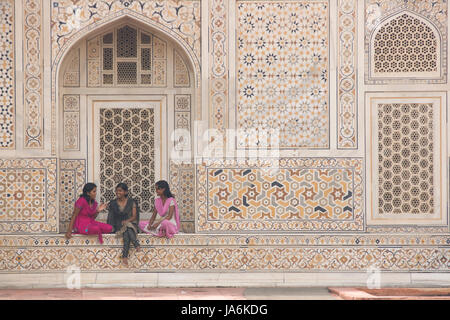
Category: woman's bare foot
[138,249]
[125,261]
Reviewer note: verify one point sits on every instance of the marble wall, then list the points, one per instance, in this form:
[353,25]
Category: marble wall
[355,91]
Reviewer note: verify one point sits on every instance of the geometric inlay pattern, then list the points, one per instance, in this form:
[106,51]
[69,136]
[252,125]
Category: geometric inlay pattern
[309,253]
[33,74]
[302,194]
[282,70]
[347,74]
[72,179]
[405,153]
[127,153]
[182,183]
[7,75]
[28,196]
[22,194]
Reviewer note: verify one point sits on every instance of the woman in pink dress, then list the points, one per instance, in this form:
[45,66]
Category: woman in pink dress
[84,214]
[168,222]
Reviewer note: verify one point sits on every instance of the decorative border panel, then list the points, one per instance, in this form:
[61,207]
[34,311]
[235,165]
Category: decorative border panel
[72,72]
[182,182]
[229,253]
[347,75]
[38,177]
[33,74]
[71,122]
[7,74]
[72,177]
[181,77]
[317,194]
[218,66]
[182,121]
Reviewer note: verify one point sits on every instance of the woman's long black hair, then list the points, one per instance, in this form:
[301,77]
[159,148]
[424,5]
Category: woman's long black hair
[88,187]
[162,184]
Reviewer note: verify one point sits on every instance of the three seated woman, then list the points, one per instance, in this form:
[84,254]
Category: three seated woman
[123,216]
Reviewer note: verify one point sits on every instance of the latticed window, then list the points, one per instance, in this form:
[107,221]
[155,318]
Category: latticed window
[405,45]
[127,56]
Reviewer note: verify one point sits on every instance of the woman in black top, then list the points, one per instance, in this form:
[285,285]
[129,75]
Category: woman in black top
[124,217]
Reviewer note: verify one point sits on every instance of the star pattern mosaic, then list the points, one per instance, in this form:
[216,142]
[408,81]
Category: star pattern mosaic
[282,70]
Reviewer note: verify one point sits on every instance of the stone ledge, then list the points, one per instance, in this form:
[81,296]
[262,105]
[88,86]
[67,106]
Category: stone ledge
[228,253]
[260,239]
[249,280]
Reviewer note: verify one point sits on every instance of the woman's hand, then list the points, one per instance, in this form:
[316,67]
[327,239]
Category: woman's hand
[68,235]
[155,225]
[102,207]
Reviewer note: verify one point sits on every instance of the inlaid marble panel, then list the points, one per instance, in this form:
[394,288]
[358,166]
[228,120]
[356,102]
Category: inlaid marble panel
[33,74]
[72,72]
[72,178]
[298,195]
[182,122]
[181,71]
[282,73]
[227,253]
[28,196]
[71,122]
[7,75]
[347,133]
[182,184]
[219,62]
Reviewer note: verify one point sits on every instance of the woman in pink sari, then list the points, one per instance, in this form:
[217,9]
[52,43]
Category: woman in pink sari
[168,222]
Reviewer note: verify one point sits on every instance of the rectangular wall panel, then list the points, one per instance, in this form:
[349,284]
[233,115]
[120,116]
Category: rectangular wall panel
[28,196]
[317,194]
[282,73]
[407,171]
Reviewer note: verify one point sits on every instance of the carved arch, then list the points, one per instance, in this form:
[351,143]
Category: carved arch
[405,45]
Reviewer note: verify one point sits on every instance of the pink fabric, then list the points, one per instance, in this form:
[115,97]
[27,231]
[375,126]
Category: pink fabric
[85,221]
[166,228]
